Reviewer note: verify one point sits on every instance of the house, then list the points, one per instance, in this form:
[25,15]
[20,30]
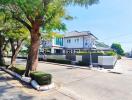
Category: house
[79,41]
[53,45]
[72,42]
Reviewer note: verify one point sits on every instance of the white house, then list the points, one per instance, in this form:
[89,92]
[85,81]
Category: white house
[79,41]
[54,45]
[71,42]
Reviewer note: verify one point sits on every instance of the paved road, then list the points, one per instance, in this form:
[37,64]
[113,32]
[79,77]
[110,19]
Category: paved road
[11,89]
[86,84]
[124,66]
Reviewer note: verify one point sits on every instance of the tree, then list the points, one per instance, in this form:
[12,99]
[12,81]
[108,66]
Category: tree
[117,47]
[37,13]
[2,40]
[16,34]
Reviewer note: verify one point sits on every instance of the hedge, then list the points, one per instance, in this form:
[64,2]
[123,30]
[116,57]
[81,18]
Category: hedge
[86,53]
[59,61]
[41,78]
[110,53]
[81,63]
[3,65]
[19,69]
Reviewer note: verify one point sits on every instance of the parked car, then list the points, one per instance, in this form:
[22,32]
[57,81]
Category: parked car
[41,56]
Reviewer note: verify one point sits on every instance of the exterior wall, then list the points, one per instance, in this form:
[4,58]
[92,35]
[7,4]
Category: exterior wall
[78,58]
[107,60]
[53,44]
[75,42]
[89,42]
[59,57]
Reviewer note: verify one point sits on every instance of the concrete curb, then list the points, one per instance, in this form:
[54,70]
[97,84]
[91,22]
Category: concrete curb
[28,80]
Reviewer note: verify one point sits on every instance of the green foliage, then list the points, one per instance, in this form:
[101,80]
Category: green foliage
[110,53]
[59,61]
[86,53]
[19,69]
[3,64]
[117,47]
[48,12]
[81,63]
[41,78]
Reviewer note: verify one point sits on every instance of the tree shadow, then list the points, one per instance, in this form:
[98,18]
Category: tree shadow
[9,92]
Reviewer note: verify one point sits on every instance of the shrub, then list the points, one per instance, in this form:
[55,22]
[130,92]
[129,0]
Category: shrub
[110,53]
[81,63]
[3,65]
[41,78]
[118,57]
[86,53]
[59,61]
[19,69]
[50,60]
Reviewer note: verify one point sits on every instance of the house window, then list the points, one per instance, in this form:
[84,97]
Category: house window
[69,51]
[77,40]
[69,41]
[76,51]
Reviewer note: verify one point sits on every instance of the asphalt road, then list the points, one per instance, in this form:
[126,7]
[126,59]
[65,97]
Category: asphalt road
[85,84]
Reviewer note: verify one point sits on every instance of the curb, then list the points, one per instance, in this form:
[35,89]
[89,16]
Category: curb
[28,80]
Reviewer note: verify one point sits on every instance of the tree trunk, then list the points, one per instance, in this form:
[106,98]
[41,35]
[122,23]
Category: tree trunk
[2,61]
[15,51]
[32,61]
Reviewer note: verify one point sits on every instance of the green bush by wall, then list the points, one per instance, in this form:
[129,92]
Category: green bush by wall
[59,61]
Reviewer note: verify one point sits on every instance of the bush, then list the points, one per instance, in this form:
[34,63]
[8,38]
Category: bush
[81,63]
[3,65]
[41,78]
[19,69]
[118,57]
[86,53]
[59,61]
[110,53]
[50,60]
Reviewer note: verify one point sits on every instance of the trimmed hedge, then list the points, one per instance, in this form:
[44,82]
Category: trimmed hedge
[41,78]
[59,61]
[86,53]
[19,69]
[110,53]
[81,63]
[4,65]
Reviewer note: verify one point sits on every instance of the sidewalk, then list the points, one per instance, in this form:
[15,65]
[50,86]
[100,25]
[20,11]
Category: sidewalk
[11,89]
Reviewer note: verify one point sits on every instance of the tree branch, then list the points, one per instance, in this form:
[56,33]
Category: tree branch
[23,22]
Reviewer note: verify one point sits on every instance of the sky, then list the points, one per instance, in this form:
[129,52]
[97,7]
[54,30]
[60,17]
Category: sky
[110,21]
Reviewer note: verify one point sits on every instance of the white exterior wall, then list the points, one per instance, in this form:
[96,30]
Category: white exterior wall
[107,60]
[73,43]
[59,57]
[90,41]
[78,58]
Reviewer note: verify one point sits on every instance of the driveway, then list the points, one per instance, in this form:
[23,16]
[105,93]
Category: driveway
[84,84]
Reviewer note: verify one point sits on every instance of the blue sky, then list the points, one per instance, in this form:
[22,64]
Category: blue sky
[110,21]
